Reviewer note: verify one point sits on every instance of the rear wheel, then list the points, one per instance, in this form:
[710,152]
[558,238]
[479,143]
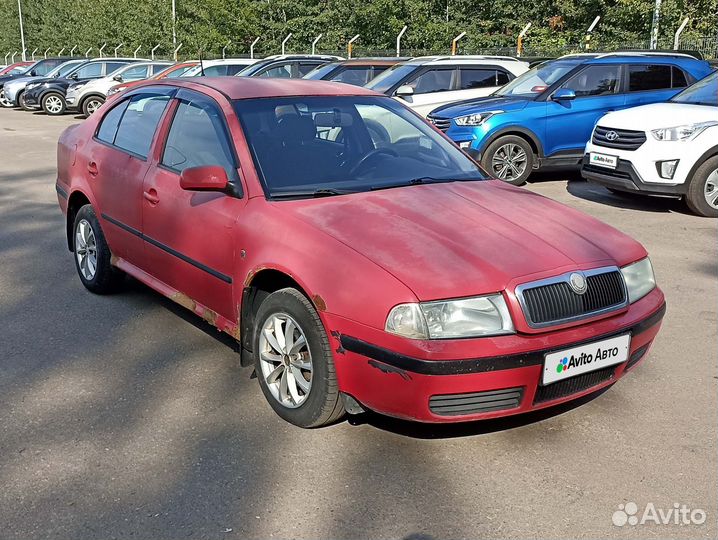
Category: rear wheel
[509,158]
[91,104]
[92,254]
[53,104]
[702,195]
[294,362]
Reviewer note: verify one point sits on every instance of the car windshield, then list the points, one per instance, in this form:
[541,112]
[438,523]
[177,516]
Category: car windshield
[704,92]
[63,69]
[322,71]
[536,80]
[318,146]
[384,82]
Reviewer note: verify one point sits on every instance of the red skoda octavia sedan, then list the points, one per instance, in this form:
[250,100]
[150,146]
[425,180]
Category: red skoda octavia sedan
[361,260]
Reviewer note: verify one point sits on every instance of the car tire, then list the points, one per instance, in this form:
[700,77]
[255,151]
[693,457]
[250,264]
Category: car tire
[315,401]
[53,103]
[92,254]
[22,103]
[4,102]
[91,104]
[509,158]
[703,187]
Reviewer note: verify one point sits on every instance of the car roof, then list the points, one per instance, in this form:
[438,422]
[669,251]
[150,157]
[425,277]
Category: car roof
[461,59]
[258,87]
[631,56]
[388,61]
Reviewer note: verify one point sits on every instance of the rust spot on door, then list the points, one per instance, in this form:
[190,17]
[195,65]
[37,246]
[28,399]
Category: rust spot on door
[319,302]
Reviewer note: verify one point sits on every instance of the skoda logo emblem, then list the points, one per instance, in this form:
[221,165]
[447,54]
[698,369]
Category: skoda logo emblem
[578,283]
[611,135]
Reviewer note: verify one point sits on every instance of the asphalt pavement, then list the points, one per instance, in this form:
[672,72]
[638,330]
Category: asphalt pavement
[125,417]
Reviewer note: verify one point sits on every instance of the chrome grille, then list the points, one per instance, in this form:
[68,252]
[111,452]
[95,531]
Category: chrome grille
[441,123]
[553,301]
[624,139]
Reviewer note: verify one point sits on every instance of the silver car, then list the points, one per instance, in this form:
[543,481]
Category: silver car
[14,89]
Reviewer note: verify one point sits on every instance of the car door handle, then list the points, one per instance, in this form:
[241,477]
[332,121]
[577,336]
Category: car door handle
[92,168]
[151,196]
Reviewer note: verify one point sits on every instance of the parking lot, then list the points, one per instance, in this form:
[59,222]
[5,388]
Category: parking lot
[125,416]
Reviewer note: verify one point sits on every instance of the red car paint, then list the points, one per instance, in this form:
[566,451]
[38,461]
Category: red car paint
[355,257]
[9,68]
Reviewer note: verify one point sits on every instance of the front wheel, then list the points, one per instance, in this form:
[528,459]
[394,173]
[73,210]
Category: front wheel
[294,362]
[92,254]
[91,104]
[702,195]
[5,102]
[53,104]
[509,158]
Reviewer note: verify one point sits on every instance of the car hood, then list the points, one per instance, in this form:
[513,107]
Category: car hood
[471,106]
[6,78]
[466,238]
[22,80]
[659,115]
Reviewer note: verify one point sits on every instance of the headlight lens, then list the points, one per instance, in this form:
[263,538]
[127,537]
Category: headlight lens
[639,279]
[32,85]
[465,317]
[682,133]
[475,119]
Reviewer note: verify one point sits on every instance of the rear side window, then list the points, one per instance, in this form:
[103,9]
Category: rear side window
[114,66]
[131,125]
[679,78]
[109,124]
[357,76]
[595,81]
[480,78]
[434,80]
[283,72]
[648,77]
[233,69]
[198,137]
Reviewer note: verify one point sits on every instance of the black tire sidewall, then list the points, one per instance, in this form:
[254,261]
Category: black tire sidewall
[695,198]
[498,143]
[44,98]
[287,301]
[106,276]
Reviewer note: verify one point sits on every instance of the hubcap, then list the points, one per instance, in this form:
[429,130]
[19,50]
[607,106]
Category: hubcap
[53,104]
[285,360]
[509,162]
[92,106]
[3,100]
[86,249]
[710,190]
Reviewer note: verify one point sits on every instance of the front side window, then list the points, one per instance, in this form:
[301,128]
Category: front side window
[392,77]
[648,77]
[433,80]
[137,123]
[198,137]
[283,71]
[306,67]
[134,73]
[308,145]
[537,79]
[43,68]
[595,81]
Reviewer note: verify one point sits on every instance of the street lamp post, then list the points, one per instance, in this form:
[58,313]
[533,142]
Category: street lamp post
[654,25]
[22,30]
[174,28]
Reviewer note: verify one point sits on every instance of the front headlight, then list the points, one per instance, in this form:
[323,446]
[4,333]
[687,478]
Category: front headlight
[32,85]
[465,317]
[639,279]
[475,119]
[682,133]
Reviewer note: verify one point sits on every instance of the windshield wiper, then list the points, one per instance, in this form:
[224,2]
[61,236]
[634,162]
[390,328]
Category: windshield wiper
[424,180]
[321,192]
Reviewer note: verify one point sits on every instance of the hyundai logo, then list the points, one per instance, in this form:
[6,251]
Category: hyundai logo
[577,281]
[611,135]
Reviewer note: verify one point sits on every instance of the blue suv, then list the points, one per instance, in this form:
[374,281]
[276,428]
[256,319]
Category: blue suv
[545,116]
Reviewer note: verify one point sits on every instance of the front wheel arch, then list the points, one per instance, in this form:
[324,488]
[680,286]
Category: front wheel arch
[76,201]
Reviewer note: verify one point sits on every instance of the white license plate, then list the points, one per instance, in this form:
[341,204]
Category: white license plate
[603,160]
[568,363]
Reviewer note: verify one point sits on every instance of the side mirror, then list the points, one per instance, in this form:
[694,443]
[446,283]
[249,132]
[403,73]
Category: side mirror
[117,78]
[563,94]
[74,76]
[204,178]
[33,73]
[404,91]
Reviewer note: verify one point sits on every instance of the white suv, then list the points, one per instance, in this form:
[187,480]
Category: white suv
[219,68]
[428,82]
[88,96]
[668,149]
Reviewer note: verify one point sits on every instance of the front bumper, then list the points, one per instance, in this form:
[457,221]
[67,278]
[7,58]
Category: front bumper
[492,377]
[11,91]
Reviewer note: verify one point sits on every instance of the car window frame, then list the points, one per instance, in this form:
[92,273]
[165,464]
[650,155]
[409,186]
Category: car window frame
[160,90]
[187,95]
[689,78]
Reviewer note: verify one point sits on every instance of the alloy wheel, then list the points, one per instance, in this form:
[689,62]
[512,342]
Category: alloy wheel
[86,249]
[92,106]
[509,162]
[4,101]
[285,360]
[53,104]
[710,190]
